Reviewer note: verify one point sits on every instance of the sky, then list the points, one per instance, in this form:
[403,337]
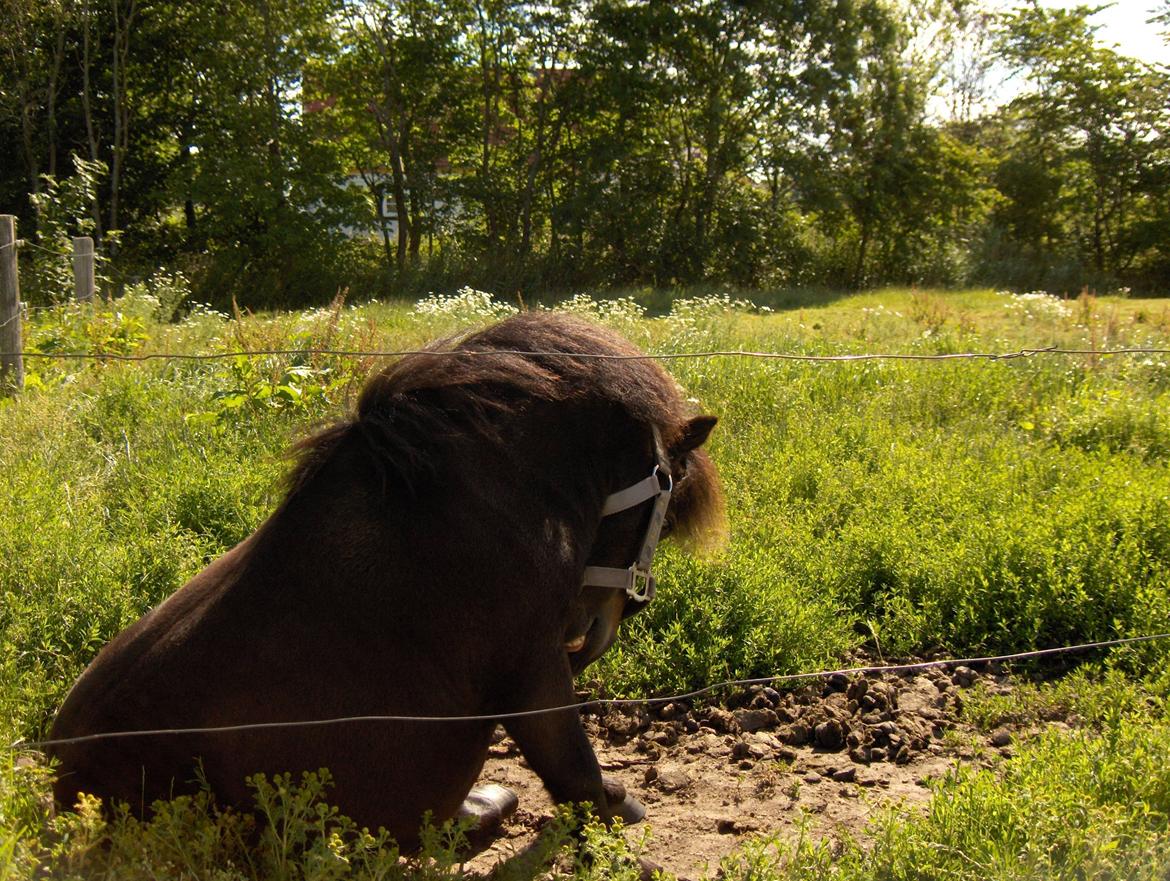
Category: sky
[1123,24]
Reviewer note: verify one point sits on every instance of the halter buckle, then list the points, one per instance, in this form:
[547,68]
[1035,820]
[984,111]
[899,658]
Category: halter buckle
[642,586]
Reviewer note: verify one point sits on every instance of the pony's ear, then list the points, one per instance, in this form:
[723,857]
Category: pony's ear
[693,435]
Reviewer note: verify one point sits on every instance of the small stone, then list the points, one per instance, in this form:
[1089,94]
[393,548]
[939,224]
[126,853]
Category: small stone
[902,756]
[881,693]
[762,702]
[771,694]
[704,743]
[919,701]
[877,754]
[829,735]
[845,775]
[812,777]
[753,746]
[837,704]
[754,720]
[860,754]
[784,714]
[665,737]
[726,826]
[857,688]
[721,720]
[746,765]
[797,734]
[623,725]
[671,711]
[673,781]
[1001,737]
[964,677]
[650,750]
[838,681]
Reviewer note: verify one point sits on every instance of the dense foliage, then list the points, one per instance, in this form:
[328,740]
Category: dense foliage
[536,146]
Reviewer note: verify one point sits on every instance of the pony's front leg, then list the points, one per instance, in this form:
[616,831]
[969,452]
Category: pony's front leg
[558,750]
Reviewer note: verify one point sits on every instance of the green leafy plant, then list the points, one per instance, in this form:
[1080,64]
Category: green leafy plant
[64,208]
[255,383]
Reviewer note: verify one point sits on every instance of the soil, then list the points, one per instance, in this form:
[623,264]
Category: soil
[824,758]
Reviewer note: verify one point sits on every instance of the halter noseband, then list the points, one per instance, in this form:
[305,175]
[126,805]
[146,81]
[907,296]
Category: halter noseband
[637,580]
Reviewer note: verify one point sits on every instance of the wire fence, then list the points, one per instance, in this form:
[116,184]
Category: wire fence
[459,353]
[650,356]
[25,243]
[1012,355]
[603,703]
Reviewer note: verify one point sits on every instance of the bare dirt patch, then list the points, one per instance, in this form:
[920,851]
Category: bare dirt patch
[825,757]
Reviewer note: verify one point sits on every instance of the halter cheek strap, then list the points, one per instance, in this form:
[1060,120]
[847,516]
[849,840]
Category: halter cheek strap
[637,580]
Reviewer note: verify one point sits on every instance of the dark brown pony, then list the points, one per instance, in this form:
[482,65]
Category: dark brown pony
[427,561]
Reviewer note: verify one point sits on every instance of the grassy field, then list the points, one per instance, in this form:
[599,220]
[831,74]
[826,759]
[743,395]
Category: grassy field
[900,507]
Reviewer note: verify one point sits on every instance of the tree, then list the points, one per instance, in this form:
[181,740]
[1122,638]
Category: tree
[1099,121]
[390,97]
[33,47]
[264,180]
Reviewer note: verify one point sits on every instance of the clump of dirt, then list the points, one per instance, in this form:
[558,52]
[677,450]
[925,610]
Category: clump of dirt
[832,753]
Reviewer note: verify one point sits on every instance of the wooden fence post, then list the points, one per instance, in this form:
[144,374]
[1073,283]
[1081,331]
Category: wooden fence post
[83,275]
[11,363]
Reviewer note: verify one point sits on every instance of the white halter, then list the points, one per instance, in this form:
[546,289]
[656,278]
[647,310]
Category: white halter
[637,580]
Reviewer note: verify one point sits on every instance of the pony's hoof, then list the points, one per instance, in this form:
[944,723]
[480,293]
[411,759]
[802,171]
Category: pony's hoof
[621,803]
[630,810]
[488,806]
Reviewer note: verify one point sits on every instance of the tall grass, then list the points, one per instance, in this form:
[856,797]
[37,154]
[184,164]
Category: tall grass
[960,506]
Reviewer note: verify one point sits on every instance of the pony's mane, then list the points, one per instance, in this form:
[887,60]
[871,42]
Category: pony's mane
[527,365]
[450,390]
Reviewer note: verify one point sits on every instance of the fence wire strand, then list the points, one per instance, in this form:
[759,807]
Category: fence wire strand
[653,356]
[599,703]
[25,243]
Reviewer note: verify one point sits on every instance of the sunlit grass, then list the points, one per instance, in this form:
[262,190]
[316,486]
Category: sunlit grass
[905,507]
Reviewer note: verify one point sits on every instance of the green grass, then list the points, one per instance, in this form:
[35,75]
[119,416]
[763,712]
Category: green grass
[907,507]
[1085,805]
